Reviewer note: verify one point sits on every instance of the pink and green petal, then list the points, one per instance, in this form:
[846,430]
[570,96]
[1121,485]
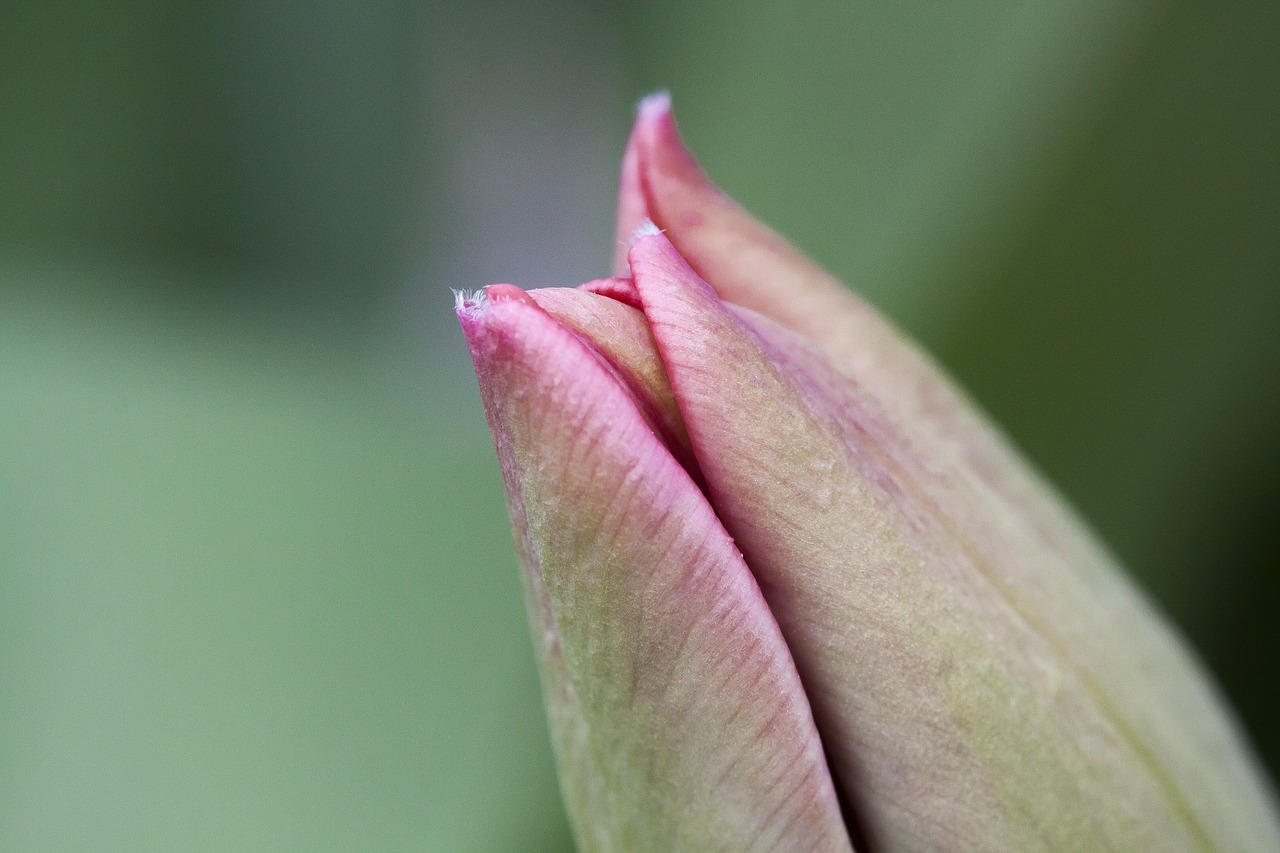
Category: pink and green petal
[633,206]
[678,717]
[749,265]
[620,334]
[979,682]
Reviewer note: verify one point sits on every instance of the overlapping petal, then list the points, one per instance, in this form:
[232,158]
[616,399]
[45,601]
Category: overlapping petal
[981,674]
[679,719]
[749,265]
[976,685]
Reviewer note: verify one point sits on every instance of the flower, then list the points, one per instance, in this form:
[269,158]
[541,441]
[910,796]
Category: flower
[790,591]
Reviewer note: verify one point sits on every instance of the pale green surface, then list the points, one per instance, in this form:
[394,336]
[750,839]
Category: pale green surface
[245,604]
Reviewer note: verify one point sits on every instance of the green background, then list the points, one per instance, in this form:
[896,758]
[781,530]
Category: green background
[256,582]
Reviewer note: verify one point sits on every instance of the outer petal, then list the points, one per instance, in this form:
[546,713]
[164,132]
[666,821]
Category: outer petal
[678,718]
[979,682]
[633,206]
[749,265]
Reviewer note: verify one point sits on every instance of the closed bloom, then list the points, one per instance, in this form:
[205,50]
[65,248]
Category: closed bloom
[790,591]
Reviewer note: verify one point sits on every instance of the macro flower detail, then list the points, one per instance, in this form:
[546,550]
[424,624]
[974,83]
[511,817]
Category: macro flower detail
[790,591]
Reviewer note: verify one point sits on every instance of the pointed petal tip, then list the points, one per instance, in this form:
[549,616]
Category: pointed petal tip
[653,253]
[633,206]
[469,303]
[645,243]
[654,105]
[645,229]
[473,304]
[674,184]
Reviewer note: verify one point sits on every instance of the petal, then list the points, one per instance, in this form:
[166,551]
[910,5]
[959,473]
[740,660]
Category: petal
[979,682]
[749,265]
[678,718]
[633,208]
[620,334]
[621,289]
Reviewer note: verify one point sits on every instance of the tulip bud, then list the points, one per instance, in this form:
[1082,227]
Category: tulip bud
[789,588]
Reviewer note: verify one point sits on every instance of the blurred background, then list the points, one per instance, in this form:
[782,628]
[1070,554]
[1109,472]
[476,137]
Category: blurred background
[257,588]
